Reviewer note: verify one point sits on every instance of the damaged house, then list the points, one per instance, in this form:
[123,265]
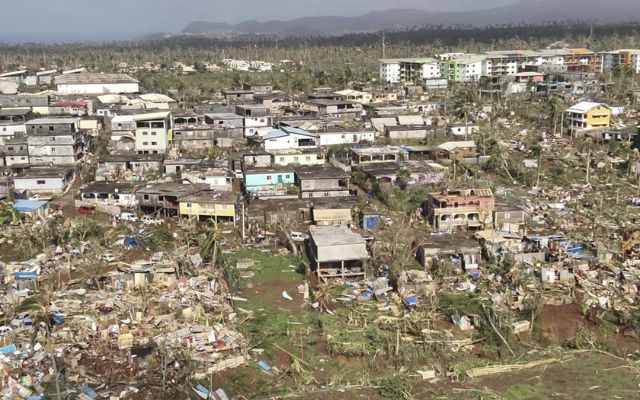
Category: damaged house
[322,181]
[452,210]
[337,252]
[165,198]
[453,252]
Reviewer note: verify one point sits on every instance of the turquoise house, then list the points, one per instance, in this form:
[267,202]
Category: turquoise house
[268,181]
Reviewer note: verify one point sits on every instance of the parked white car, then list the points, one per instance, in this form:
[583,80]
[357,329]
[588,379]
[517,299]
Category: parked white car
[299,236]
[108,257]
[149,220]
[128,216]
[22,320]
[5,329]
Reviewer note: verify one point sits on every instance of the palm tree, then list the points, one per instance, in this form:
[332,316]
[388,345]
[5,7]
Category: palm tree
[403,176]
[463,106]
[211,245]
[535,151]
[552,111]
[586,145]
[36,307]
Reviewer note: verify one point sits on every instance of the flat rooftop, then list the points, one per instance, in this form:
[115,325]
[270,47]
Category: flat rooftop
[45,172]
[173,188]
[211,197]
[87,78]
[108,187]
[52,121]
[14,112]
[131,157]
[362,151]
[337,235]
[320,172]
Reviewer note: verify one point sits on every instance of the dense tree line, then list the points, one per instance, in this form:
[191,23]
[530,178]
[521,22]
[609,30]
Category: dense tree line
[357,47]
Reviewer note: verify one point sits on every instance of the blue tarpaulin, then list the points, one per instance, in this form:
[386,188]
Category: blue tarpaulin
[264,366]
[369,222]
[8,349]
[130,241]
[89,392]
[28,206]
[25,274]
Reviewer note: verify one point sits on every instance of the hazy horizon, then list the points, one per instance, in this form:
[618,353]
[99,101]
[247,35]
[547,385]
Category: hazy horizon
[93,20]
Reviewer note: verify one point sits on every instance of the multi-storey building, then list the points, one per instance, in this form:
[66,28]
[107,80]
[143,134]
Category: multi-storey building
[620,59]
[54,141]
[460,209]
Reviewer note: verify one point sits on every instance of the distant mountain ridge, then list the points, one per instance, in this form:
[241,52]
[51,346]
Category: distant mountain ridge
[530,11]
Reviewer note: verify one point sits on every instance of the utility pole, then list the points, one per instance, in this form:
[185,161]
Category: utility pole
[243,224]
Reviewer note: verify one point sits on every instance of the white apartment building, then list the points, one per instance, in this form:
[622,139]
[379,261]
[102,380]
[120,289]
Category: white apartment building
[629,58]
[152,132]
[390,70]
[408,69]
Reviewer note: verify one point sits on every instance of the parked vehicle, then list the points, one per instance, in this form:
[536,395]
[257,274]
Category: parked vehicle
[238,174]
[299,236]
[105,309]
[108,257]
[5,329]
[368,238]
[22,320]
[128,216]
[86,210]
[149,220]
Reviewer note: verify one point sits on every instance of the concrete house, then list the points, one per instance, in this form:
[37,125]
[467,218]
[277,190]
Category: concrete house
[164,197]
[462,130]
[337,252]
[258,160]
[240,95]
[113,194]
[152,132]
[340,136]
[258,87]
[210,205]
[218,179]
[55,141]
[297,157]
[356,96]
[232,124]
[16,152]
[377,154]
[268,182]
[92,83]
[342,109]
[586,116]
[453,252]
[39,104]
[289,138]
[456,150]
[322,181]
[129,167]
[47,181]
[257,119]
[202,137]
[460,209]
[13,122]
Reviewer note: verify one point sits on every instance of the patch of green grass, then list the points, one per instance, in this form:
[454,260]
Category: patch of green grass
[527,392]
[268,266]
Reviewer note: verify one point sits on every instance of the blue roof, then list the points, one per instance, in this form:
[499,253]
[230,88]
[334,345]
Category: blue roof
[275,134]
[29,205]
[297,131]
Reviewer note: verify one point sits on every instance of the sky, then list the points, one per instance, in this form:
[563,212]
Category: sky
[97,20]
